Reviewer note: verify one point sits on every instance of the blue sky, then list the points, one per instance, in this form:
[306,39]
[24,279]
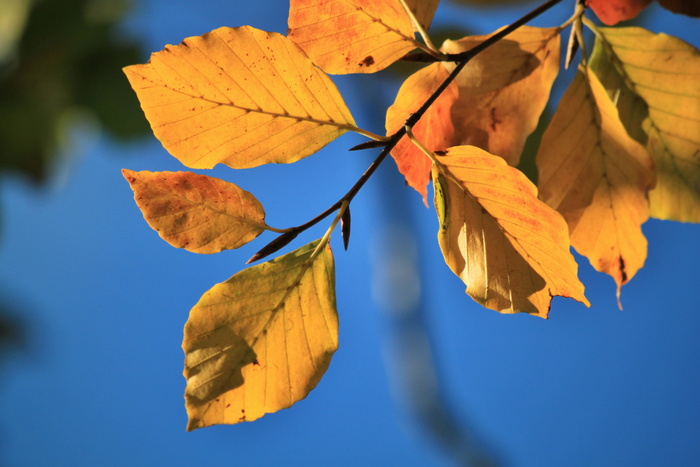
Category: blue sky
[105,300]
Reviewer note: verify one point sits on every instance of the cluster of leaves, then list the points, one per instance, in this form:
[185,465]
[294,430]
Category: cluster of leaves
[624,142]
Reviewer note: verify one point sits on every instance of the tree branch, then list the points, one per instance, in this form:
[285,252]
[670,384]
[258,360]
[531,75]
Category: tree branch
[461,59]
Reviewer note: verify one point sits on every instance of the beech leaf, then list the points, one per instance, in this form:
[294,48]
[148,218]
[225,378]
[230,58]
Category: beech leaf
[504,90]
[238,96]
[352,36]
[262,340]
[434,129]
[509,248]
[195,212]
[597,177]
[611,12]
[665,72]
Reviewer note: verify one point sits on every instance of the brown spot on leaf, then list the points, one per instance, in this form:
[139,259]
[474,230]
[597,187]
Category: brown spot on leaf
[494,121]
[368,61]
[622,270]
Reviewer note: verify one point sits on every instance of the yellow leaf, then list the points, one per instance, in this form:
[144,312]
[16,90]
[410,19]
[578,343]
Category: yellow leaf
[238,96]
[504,90]
[597,177]
[195,212]
[351,36]
[632,109]
[434,129]
[665,72]
[262,340]
[509,248]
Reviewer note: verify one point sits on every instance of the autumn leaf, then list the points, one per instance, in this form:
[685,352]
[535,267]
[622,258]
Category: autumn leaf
[632,109]
[597,177]
[262,340]
[665,72]
[434,129]
[611,12]
[504,90]
[198,213]
[509,248]
[238,96]
[352,36]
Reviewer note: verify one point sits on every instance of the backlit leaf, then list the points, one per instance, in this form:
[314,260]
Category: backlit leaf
[632,109]
[238,96]
[665,72]
[611,12]
[351,36]
[262,340]
[434,129]
[597,177]
[195,212]
[504,90]
[509,248]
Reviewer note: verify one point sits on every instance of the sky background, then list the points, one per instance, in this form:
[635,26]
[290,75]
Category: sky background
[103,301]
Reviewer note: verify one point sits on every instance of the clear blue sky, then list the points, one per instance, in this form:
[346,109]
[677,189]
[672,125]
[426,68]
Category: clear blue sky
[105,301]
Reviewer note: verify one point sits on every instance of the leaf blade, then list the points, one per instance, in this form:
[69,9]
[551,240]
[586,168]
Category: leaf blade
[351,36]
[198,213]
[238,96]
[509,248]
[504,90]
[665,72]
[598,178]
[434,129]
[251,354]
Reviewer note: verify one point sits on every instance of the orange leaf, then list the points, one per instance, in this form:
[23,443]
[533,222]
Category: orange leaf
[504,90]
[598,177]
[241,97]
[351,36]
[509,248]
[434,129]
[611,12]
[195,212]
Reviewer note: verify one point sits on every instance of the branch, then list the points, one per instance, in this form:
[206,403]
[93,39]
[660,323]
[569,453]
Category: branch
[461,59]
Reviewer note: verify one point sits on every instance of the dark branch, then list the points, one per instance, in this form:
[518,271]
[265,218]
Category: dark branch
[461,59]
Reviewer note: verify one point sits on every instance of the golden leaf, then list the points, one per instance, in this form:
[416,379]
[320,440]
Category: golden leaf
[262,340]
[509,248]
[238,96]
[351,36]
[597,177]
[665,72]
[434,129]
[504,90]
[195,212]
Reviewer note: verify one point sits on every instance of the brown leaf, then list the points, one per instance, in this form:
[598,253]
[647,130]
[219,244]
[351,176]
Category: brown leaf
[195,212]
[504,90]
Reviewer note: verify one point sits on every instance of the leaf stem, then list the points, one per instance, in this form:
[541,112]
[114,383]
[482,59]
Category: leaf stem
[434,51]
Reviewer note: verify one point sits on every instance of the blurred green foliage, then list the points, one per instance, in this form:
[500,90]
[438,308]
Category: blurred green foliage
[66,60]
